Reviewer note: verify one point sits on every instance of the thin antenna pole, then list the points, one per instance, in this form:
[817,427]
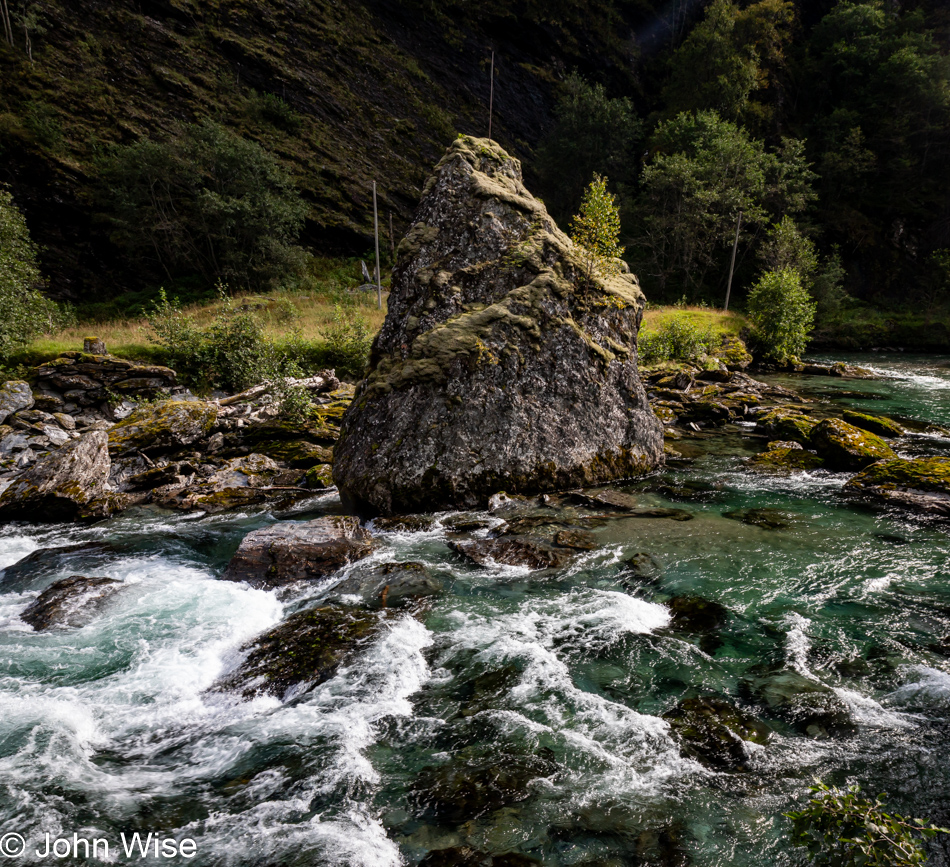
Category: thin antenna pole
[491,94]
[732,264]
[379,285]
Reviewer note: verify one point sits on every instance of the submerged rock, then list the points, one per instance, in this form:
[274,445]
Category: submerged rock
[514,551]
[843,446]
[766,518]
[785,458]
[922,483]
[66,485]
[607,499]
[69,602]
[716,733]
[502,364]
[163,427]
[298,551]
[389,585]
[813,708]
[302,652]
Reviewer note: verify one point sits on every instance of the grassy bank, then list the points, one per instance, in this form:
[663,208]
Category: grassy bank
[304,313]
[863,328]
[686,334]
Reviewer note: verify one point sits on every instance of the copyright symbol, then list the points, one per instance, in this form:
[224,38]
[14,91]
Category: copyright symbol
[12,845]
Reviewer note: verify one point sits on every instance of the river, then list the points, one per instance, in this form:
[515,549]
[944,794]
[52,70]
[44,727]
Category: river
[559,679]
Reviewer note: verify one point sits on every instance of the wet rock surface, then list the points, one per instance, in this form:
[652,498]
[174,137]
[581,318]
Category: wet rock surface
[389,585]
[303,651]
[535,553]
[845,447]
[298,551]
[502,364]
[921,484]
[71,601]
[67,485]
[716,733]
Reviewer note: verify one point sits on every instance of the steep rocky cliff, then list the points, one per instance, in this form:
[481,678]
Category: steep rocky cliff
[503,363]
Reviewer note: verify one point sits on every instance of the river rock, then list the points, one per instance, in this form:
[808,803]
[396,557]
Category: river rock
[786,457]
[389,585]
[876,424]
[302,652]
[813,708]
[87,378]
[783,424]
[921,483]
[513,551]
[843,446]
[163,427]
[716,733]
[298,551]
[502,364]
[14,396]
[66,485]
[69,602]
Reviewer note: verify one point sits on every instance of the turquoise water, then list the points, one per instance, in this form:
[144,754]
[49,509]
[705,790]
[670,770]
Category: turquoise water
[561,680]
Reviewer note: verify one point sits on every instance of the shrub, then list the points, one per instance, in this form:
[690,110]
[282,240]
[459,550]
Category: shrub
[24,311]
[596,229]
[348,342]
[232,353]
[781,313]
[677,339]
[842,829]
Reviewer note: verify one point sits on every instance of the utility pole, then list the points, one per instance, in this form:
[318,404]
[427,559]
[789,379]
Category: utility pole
[491,94]
[392,238]
[732,264]
[379,285]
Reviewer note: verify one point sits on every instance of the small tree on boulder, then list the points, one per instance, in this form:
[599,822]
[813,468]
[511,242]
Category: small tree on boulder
[596,229]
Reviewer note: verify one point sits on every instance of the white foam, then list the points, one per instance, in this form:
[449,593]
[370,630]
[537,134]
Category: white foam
[929,687]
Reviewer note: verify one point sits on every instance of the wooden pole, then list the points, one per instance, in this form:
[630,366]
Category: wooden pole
[732,264]
[491,94]
[392,238]
[379,285]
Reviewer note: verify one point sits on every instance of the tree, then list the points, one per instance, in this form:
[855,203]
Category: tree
[207,202]
[592,133]
[732,58]
[704,171]
[781,314]
[24,311]
[596,229]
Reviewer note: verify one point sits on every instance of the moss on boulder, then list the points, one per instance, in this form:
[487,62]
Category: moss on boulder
[876,424]
[784,424]
[843,446]
[785,459]
[163,427]
[920,483]
[502,364]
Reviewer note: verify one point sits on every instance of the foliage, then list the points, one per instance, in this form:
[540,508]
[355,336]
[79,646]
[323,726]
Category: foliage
[840,828]
[728,57]
[781,313]
[596,229]
[704,172]
[24,311]
[206,202]
[677,339]
[348,342]
[592,134]
[232,353]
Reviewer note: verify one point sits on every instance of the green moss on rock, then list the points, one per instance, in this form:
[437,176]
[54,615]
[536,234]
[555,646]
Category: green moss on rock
[785,460]
[876,424]
[846,447]
[783,424]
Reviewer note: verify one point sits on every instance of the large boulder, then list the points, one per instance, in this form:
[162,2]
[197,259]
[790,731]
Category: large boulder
[843,446]
[65,485]
[163,427]
[298,551]
[503,363]
[71,601]
[922,483]
[14,396]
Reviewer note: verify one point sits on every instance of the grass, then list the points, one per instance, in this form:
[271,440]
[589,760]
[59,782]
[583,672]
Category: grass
[702,318]
[306,309]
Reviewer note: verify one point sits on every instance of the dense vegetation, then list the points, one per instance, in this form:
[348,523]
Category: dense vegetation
[178,143]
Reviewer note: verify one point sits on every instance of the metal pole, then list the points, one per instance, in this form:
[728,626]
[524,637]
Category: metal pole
[491,94]
[379,285]
[732,264]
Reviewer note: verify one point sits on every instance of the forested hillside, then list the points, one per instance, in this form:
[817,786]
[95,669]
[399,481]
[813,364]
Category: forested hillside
[125,125]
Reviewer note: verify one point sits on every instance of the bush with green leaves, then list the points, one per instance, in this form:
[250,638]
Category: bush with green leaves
[596,229]
[208,203]
[840,828]
[781,313]
[677,339]
[348,342]
[24,311]
[232,353]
